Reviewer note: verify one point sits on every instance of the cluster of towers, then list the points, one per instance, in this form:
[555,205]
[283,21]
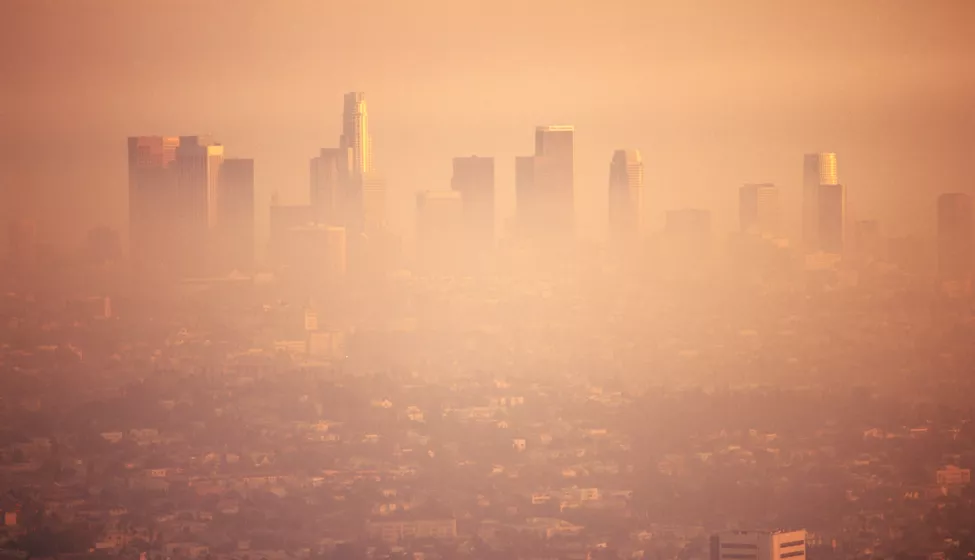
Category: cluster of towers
[192,209]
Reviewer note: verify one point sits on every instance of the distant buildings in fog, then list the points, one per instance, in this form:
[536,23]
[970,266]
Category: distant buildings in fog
[625,195]
[182,214]
[758,209]
[544,186]
[191,208]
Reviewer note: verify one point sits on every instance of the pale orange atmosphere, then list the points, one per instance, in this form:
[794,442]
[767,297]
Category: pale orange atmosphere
[715,94]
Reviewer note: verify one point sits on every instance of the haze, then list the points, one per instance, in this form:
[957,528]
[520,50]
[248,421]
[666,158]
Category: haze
[714,94]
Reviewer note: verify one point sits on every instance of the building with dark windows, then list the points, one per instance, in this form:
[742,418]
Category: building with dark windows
[758,545]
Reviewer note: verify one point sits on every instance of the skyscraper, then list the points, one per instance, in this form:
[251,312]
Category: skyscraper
[526,199]
[545,185]
[234,230]
[370,201]
[758,209]
[818,169]
[473,178]
[625,194]
[198,164]
[329,188]
[174,186]
[758,545]
[152,194]
[355,132]
[554,177]
[956,238]
[831,213]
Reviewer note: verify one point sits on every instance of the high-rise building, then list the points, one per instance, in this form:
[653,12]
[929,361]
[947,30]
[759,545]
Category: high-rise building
[174,185]
[152,195]
[235,216]
[625,194]
[818,169]
[758,545]
[355,132]
[831,213]
[473,178]
[370,197]
[758,209]
[545,183]
[440,229]
[554,177]
[329,192]
[526,197]
[956,238]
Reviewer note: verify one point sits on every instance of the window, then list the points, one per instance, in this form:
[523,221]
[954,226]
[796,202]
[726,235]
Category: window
[793,554]
[791,544]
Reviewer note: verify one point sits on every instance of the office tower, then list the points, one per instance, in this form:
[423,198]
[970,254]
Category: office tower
[625,194]
[554,177]
[173,200]
[355,132]
[526,199]
[152,196]
[198,164]
[956,238]
[544,185]
[831,213]
[329,174]
[818,169]
[758,545]
[473,178]
[369,202]
[234,231]
[758,209]
[440,227]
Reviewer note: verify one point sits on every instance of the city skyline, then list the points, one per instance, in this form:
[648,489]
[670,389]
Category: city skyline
[683,109]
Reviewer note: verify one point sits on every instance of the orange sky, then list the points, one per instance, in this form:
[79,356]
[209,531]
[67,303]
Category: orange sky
[714,93]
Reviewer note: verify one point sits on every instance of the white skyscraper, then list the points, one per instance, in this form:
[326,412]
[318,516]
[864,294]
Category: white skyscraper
[355,133]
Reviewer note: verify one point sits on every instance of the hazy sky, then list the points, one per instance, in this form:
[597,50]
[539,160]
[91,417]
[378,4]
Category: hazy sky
[713,93]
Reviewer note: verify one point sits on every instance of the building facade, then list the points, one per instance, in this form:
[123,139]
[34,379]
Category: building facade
[625,194]
[818,169]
